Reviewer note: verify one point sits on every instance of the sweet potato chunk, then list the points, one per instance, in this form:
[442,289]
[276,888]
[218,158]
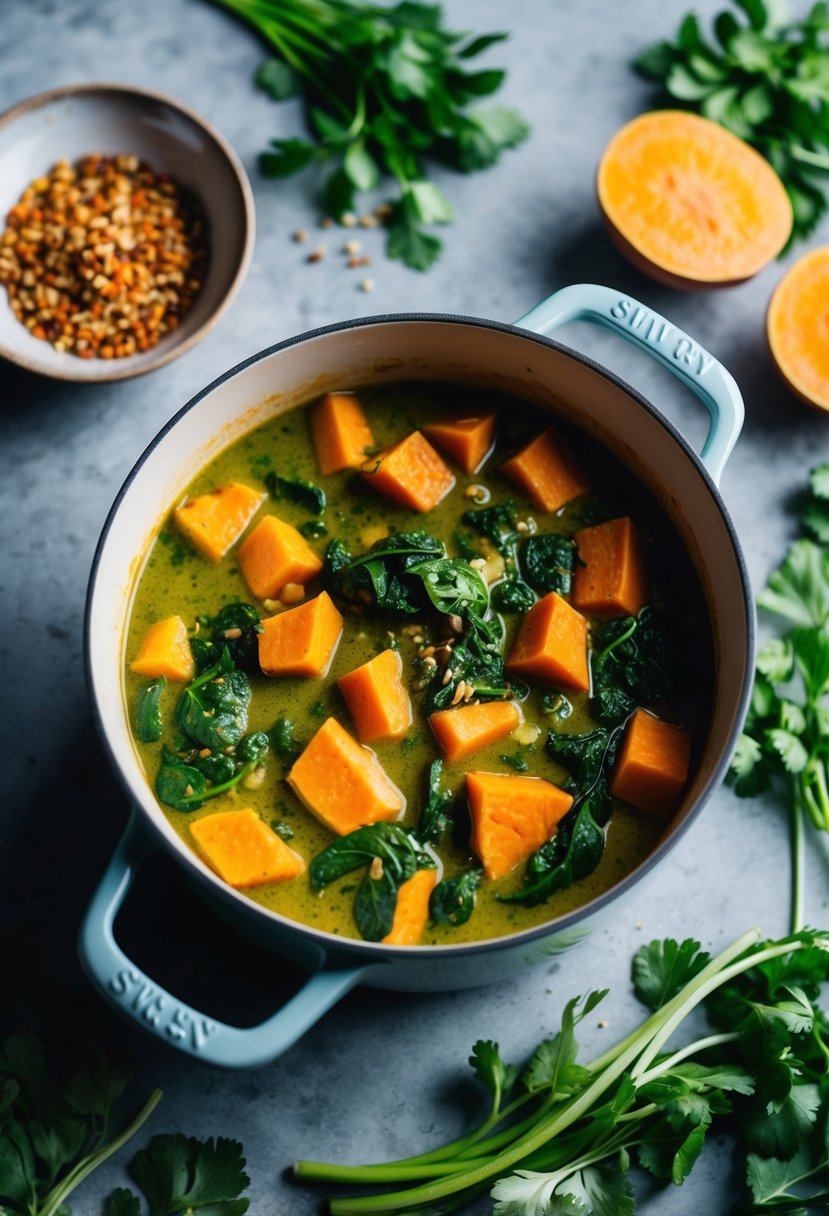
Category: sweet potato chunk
[551,645]
[467,728]
[411,473]
[547,472]
[512,817]
[612,580]
[467,441]
[302,640]
[377,698]
[276,554]
[215,521]
[342,783]
[341,434]
[412,909]
[653,764]
[165,651]
[243,850]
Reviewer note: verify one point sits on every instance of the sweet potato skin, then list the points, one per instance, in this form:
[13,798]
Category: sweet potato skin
[551,645]
[467,728]
[412,910]
[275,554]
[214,522]
[611,581]
[165,651]
[411,473]
[377,698]
[512,816]
[342,783]
[301,641]
[243,850]
[340,431]
[652,767]
[547,472]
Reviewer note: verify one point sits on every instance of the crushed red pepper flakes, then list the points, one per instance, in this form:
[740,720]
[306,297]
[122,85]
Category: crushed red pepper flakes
[103,257]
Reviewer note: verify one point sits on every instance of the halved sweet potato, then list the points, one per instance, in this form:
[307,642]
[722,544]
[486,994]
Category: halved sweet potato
[689,203]
[798,327]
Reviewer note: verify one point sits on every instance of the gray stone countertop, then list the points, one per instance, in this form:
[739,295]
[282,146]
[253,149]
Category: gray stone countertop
[382,1075]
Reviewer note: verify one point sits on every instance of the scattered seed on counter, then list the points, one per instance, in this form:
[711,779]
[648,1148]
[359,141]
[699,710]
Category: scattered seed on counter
[326,222]
[367,285]
[368,221]
[103,257]
[300,236]
[316,255]
[352,247]
[348,219]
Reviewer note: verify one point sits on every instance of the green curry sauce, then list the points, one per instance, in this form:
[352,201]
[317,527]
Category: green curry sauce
[177,580]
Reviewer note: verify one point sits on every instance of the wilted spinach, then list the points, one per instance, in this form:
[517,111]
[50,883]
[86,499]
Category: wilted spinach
[549,561]
[284,741]
[235,627]
[213,710]
[148,723]
[186,783]
[632,664]
[453,901]
[381,576]
[572,854]
[297,490]
[453,586]
[434,820]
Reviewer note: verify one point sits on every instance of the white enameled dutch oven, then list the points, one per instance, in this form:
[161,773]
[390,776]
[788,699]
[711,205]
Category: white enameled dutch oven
[514,359]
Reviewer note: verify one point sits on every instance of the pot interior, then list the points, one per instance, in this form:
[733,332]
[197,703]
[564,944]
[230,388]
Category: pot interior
[382,351]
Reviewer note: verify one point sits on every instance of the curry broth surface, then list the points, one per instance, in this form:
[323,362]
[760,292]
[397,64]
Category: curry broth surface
[178,580]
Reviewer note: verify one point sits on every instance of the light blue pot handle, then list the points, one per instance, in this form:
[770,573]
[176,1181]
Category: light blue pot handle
[655,335]
[166,1017]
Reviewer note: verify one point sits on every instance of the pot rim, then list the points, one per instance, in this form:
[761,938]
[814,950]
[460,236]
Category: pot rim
[376,951]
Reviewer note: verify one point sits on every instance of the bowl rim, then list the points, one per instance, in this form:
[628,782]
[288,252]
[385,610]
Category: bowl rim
[248,224]
[342,947]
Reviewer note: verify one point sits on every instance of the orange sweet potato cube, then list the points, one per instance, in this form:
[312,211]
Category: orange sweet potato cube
[377,698]
[411,473]
[547,472]
[243,850]
[342,436]
[467,441]
[653,764]
[467,728]
[611,582]
[342,783]
[412,909]
[301,641]
[512,817]
[215,521]
[274,555]
[551,645]
[165,651]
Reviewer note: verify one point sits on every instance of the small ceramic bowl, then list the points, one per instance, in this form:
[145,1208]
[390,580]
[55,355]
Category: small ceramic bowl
[70,122]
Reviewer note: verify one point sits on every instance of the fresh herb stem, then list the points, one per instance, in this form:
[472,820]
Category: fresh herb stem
[798,858]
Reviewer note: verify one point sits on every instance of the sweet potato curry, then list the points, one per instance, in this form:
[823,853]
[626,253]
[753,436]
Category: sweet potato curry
[418,665]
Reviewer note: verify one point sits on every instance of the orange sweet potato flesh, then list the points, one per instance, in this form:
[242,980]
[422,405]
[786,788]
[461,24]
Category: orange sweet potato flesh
[798,327]
[377,698]
[512,817]
[411,474]
[551,645]
[301,641]
[243,850]
[215,521]
[165,651]
[467,441]
[611,582]
[342,783]
[412,909]
[653,764]
[547,472]
[467,728]
[342,436]
[689,203]
[274,555]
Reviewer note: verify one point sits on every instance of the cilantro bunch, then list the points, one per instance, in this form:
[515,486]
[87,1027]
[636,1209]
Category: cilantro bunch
[786,738]
[560,1135]
[766,79]
[384,87]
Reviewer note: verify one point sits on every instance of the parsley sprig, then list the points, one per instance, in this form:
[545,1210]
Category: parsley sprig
[786,738]
[765,78]
[384,87]
[559,1135]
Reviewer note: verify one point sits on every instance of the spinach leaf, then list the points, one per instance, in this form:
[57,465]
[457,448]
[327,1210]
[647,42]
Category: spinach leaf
[237,626]
[631,655]
[179,785]
[513,595]
[382,575]
[374,905]
[434,819]
[572,854]
[453,586]
[294,489]
[312,528]
[175,777]
[549,561]
[213,710]
[217,767]
[452,902]
[148,724]
[336,559]
[390,842]
[497,524]
[284,741]
[582,755]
